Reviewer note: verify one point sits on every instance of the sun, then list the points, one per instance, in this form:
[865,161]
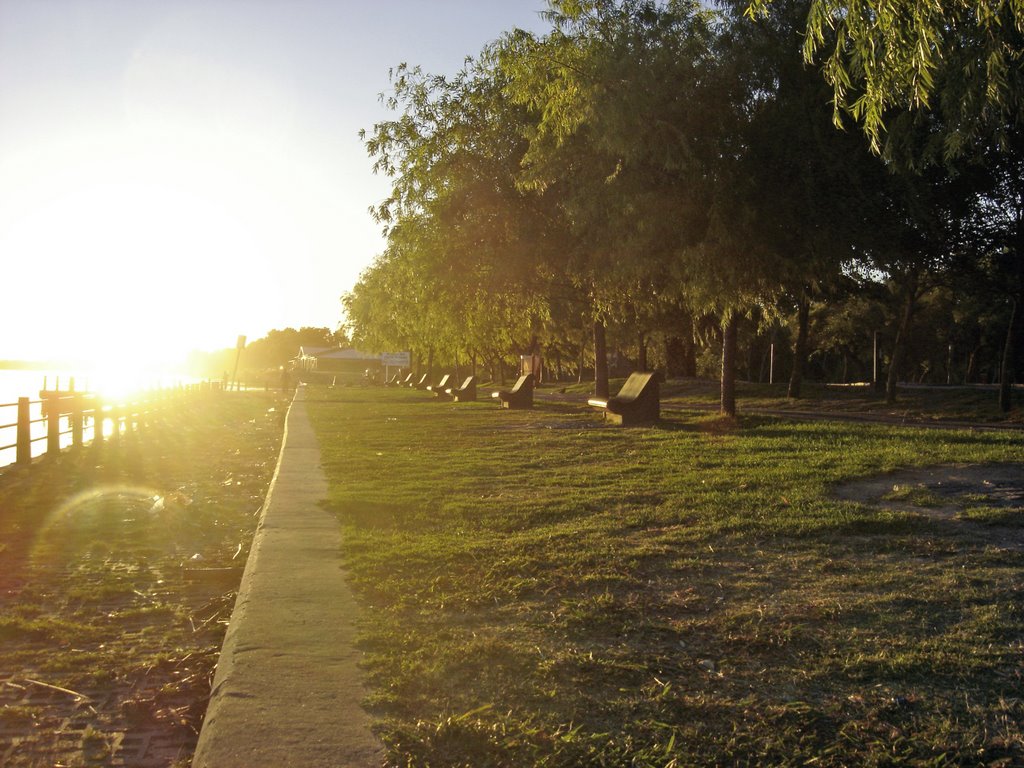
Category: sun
[130,256]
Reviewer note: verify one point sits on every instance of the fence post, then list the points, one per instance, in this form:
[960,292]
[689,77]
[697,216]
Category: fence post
[115,423]
[52,426]
[76,420]
[24,451]
[97,422]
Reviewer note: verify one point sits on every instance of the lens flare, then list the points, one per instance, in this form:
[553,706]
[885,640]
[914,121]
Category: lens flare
[82,521]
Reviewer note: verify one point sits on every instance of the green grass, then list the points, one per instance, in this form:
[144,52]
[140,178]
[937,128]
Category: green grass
[926,404]
[1010,517]
[542,589]
[917,495]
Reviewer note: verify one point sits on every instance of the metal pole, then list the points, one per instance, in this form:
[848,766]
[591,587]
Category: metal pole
[239,346]
[771,365]
[874,361]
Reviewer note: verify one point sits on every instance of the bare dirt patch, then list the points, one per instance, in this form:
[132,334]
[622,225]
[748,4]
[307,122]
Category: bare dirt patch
[986,499]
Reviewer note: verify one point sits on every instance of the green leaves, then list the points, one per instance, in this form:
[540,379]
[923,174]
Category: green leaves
[882,57]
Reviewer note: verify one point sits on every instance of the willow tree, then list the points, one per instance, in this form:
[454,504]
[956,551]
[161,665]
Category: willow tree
[958,56]
[809,188]
[624,134]
[953,64]
[455,220]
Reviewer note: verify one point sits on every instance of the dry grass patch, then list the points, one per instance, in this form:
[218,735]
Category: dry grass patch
[113,601]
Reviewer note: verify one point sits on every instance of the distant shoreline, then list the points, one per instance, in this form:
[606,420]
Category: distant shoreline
[37,365]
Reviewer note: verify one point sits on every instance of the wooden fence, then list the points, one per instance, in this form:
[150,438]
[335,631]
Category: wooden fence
[83,412]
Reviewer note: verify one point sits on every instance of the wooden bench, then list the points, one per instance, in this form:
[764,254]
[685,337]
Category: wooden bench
[421,384]
[438,389]
[407,381]
[465,393]
[520,396]
[638,402]
[394,381]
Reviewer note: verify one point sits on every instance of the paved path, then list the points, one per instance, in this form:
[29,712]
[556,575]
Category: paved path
[287,687]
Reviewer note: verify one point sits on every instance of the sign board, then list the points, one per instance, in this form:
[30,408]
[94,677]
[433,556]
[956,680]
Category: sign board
[396,359]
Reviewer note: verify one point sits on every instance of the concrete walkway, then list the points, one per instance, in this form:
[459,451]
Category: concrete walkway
[287,687]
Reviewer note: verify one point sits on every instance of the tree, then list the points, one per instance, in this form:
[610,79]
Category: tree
[807,186]
[961,57]
[279,347]
[632,97]
[462,239]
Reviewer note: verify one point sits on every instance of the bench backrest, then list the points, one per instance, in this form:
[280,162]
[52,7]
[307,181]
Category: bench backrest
[524,383]
[634,387]
[470,380]
[423,380]
[443,382]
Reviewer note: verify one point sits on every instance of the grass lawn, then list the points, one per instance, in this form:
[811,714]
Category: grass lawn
[542,589]
[118,571]
[929,403]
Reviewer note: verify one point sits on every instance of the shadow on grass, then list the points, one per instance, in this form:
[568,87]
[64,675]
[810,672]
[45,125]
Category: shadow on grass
[373,515]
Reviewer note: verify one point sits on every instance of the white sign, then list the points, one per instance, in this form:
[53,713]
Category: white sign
[396,359]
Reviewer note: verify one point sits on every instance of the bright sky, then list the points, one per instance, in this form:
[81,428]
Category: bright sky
[174,173]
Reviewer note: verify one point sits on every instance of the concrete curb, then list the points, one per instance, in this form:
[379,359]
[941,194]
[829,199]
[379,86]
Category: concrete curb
[287,687]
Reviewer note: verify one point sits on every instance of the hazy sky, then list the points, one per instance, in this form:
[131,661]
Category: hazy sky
[174,173]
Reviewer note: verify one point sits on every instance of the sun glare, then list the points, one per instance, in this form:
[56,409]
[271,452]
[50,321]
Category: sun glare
[175,229]
[133,257]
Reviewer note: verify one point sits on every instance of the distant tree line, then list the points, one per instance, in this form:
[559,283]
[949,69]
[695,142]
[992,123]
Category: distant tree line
[273,351]
[664,185]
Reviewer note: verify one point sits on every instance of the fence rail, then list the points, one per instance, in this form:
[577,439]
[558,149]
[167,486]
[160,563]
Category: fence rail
[87,418]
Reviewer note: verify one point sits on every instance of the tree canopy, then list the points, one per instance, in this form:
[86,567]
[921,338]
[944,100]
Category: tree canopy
[960,57]
[657,173]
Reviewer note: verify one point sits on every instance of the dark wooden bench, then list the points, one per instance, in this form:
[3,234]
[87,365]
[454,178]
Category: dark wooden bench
[520,396]
[394,381]
[438,389]
[421,383]
[465,393]
[638,402]
[407,381]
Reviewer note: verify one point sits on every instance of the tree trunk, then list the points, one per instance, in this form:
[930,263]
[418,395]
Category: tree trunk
[689,348]
[600,361]
[972,362]
[674,357]
[896,359]
[641,357]
[728,406]
[1007,367]
[583,352]
[430,364]
[803,313]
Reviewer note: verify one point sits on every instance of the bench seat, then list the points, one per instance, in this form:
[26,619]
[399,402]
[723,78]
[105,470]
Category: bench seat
[520,396]
[464,394]
[638,402]
[438,390]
